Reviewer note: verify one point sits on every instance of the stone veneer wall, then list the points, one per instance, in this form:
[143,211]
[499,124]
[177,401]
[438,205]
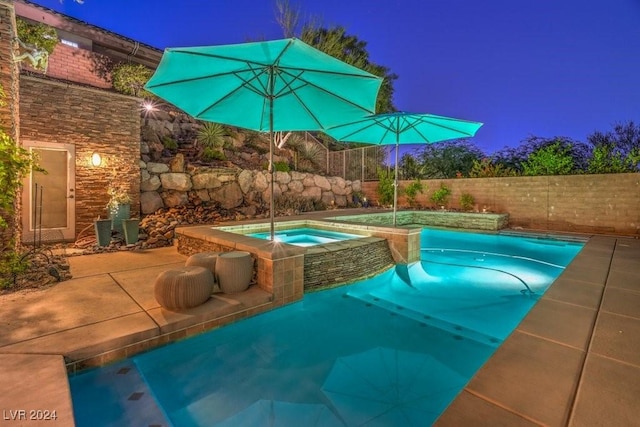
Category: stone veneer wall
[608,203]
[93,121]
[360,259]
[471,221]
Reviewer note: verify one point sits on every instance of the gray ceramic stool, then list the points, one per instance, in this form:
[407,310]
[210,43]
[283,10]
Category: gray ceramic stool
[234,271]
[183,287]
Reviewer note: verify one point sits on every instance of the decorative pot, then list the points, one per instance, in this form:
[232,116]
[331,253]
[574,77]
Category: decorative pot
[131,229]
[121,212]
[103,231]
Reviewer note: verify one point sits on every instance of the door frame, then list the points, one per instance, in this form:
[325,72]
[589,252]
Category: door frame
[67,233]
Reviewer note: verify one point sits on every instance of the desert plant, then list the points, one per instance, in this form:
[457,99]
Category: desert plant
[130,79]
[281,167]
[412,190]
[209,154]
[467,201]
[213,135]
[169,143]
[385,187]
[441,196]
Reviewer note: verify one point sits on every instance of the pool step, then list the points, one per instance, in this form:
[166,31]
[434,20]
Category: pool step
[452,328]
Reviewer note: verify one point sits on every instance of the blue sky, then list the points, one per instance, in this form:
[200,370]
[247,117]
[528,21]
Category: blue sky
[538,67]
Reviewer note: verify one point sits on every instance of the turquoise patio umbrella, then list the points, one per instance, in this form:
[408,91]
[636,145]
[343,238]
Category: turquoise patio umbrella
[402,128]
[278,85]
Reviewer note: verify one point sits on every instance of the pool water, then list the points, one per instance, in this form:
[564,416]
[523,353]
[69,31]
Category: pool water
[392,350]
[306,236]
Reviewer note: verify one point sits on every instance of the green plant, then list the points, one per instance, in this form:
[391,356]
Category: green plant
[441,196]
[15,163]
[486,168]
[130,79]
[553,159]
[118,195]
[12,264]
[385,187]
[467,201]
[281,167]
[605,160]
[212,135]
[37,42]
[169,143]
[36,34]
[412,190]
[209,154]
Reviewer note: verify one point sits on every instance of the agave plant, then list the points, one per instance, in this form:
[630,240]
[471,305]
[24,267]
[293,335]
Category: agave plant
[213,137]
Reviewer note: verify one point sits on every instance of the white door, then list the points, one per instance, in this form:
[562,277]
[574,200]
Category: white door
[48,203]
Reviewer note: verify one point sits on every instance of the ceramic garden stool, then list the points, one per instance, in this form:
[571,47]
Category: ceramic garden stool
[204,259]
[183,287]
[234,271]
[208,261]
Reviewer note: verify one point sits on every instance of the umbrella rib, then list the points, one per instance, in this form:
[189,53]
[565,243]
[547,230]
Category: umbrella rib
[246,84]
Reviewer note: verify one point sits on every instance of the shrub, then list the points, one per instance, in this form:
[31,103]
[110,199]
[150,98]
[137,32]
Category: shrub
[39,35]
[130,79]
[441,196]
[281,167]
[209,154]
[15,163]
[385,187]
[412,191]
[486,168]
[169,143]
[467,201]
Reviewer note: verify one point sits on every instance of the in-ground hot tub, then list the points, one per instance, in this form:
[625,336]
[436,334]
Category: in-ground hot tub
[306,236]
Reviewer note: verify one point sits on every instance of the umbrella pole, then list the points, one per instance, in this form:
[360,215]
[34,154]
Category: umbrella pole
[395,189]
[271,168]
[271,172]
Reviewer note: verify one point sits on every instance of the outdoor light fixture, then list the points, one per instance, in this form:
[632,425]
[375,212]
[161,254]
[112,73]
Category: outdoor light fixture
[148,106]
[96,160]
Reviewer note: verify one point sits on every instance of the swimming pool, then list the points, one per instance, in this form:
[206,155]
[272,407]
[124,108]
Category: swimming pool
[392,350]
[306,236]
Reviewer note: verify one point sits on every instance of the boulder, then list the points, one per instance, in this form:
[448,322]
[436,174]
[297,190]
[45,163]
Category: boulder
[312,192]
[177,163]
[261,181]
[322,182]
[157,167]
[296,186]
[229,196]
[174,198]
[149,182]
[176,181]
[245,180]
[150,201]
[205,180]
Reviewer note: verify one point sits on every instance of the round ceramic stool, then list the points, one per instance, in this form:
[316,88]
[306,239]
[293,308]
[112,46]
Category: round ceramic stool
[204,259]
[183,287]
[234,271]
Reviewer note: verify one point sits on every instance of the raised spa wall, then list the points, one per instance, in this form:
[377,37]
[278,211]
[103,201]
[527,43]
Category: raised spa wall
[286,271]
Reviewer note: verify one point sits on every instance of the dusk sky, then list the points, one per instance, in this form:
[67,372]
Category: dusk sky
[539,67]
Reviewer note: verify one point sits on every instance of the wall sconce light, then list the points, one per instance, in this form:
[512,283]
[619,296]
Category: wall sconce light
[96,160]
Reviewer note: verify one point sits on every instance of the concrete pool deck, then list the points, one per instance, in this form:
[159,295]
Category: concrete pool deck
[574,360]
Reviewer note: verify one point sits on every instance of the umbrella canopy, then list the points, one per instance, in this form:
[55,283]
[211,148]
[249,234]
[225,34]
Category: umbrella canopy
[403,128]
[278,85]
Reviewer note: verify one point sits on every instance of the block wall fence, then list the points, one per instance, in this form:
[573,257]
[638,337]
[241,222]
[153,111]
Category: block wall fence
[600,204]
